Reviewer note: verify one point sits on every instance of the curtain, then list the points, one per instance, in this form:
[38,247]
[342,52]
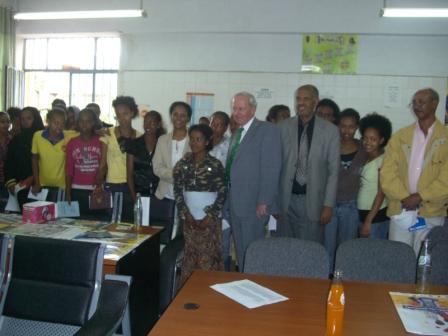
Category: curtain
[7,48]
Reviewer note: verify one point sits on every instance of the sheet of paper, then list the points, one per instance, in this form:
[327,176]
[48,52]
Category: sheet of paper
[422,314]
[248,293]
[41,196]
[272,224]
[145,213]
[64,209]
[12,204]
[197,201]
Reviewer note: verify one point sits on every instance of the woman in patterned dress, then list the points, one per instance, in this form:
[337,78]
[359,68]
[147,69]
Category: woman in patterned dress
[200,191]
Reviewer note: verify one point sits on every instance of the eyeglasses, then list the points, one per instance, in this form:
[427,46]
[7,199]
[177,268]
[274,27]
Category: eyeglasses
[420,103]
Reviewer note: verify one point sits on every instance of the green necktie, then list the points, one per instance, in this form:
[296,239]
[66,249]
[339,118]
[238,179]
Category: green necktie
[233,151]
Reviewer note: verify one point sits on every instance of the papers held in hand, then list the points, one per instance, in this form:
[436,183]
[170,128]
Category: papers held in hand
[248,293]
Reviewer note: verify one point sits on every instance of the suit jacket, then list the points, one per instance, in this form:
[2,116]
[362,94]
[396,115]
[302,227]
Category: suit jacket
[162,163]
[255,171]
[323,165]
[433,181]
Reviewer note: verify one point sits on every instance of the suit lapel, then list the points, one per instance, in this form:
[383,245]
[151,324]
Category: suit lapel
[316,140]
[245,143]
[293,137]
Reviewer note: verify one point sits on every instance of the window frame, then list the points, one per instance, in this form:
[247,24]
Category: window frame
[71,72]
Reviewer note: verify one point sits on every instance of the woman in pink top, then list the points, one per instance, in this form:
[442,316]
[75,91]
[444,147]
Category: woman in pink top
[83,157]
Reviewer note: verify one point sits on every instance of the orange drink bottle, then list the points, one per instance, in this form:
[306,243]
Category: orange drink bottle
[335,306]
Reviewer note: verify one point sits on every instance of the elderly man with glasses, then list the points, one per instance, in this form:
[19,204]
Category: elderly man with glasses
[414,175]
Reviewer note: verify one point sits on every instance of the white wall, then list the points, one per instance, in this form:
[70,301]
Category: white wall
[229,45]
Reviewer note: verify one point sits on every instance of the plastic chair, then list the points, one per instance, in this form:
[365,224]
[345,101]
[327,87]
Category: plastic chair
[287,256]
[376,260]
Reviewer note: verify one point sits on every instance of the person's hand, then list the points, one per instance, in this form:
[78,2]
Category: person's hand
[411,202]
[35,189]
[68,198]
[12,189]
[364,232]
[325,215]
[262,210]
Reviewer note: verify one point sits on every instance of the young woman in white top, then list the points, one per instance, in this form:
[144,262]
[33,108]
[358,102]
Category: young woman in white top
[376,131]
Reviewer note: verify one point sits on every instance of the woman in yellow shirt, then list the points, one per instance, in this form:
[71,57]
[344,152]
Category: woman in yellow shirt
[113,162]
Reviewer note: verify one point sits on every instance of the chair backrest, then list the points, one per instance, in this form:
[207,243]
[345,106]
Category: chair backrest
[376,260]
[4,241]
[288,257]
[162,213]
[53,280]
[168,269]
[439,255]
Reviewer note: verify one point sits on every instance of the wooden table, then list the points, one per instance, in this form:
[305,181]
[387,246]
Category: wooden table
[368,311]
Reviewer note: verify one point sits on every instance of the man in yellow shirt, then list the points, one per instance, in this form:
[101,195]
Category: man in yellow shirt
[414,175]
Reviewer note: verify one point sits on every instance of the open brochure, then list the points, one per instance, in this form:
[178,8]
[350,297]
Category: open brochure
[422,314]
[248,293]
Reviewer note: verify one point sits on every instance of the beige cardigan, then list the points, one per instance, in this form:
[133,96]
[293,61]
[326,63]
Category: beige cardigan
[162,163]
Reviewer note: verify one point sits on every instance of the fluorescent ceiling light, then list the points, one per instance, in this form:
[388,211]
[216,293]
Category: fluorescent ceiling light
[415,12]
[94,14]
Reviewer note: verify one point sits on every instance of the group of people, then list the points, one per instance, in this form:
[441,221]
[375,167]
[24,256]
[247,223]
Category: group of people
[228,175]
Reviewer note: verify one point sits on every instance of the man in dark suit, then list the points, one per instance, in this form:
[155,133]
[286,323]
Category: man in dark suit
[310,169]
[252,171]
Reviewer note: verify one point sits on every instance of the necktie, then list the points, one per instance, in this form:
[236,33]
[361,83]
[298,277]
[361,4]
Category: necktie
[301,173]
[233,151]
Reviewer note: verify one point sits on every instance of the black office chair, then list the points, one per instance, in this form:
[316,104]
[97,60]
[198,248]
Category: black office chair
[4,241]
[170,262]
[55,287]
[162,213]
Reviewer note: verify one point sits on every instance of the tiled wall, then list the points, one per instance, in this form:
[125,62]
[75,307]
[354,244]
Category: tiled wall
[364,93]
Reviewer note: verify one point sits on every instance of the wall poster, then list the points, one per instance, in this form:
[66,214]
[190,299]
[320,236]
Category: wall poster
[330,53]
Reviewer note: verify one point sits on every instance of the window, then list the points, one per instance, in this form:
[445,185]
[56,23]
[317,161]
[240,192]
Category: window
[79,70]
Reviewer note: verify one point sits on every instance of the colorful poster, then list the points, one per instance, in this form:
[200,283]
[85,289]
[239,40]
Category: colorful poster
[330,53]
[422,314]
[202,105]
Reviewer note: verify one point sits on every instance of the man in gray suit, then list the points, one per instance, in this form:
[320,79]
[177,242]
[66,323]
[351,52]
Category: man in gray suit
[309,176]
[252,171]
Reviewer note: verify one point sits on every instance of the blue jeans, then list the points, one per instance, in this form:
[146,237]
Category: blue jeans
[343,226]
[379,230]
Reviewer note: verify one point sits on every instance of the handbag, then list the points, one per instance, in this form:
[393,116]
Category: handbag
[100,199]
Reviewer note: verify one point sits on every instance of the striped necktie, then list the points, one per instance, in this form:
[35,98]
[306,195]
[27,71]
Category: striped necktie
[233,151]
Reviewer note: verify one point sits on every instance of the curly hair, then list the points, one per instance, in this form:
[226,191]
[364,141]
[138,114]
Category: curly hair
[206,131]
[126,101]
[378,122]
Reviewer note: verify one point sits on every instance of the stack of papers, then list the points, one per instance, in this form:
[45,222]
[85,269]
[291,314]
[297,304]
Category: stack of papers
[249,293]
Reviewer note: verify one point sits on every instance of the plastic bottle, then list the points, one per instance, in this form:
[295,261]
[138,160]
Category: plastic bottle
[335,306]
[138,212]
[424,267]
